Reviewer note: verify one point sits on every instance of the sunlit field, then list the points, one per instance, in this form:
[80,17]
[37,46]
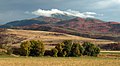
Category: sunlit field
[52,61]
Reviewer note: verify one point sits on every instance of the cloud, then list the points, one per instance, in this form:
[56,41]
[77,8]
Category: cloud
[102,4]
[49,13]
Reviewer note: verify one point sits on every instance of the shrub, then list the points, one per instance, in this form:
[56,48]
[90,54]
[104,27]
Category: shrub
[48,53]
[67,47]
[90,49]
[59,47]
[16,51]
[37,48]
[76,50]
[64,48]
[25,48]
[54,52]
[9,51]
[32,48]
[7,47]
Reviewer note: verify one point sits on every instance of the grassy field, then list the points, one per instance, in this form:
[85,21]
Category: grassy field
[50,38]
[52,61]
[104,59]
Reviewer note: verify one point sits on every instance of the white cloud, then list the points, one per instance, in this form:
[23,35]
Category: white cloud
[69,12]
[92,13]
[102,4]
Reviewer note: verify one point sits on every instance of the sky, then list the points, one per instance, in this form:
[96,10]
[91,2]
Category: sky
[11,10]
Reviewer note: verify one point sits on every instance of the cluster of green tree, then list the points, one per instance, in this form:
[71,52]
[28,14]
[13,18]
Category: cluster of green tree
[32,48]
[69,49]
[65,49]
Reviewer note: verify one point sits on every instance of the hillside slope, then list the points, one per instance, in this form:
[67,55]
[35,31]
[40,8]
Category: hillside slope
[86,27]
[15,37]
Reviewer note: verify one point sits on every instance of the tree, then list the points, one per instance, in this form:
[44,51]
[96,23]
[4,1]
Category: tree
[25,48]
[90,49]
[32,48]
[67,47]
[76,50]
[59,47]
[64,48]
[40,48]
[54,52]
[37,48]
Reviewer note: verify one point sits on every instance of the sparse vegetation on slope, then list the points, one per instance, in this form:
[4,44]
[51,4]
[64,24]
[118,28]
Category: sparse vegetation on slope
[50,39]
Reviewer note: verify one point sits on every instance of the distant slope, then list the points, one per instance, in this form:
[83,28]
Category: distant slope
[86,27]
[14,37]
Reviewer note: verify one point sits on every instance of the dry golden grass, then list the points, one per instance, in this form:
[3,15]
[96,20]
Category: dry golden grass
[50,61]
[51,37]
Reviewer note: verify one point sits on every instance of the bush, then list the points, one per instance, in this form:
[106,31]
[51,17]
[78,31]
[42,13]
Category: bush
[76,50]
[32,48]
[59,47]
[64,48]
[8,48]
[9,51]
[17,51]
[54,52]
[37,48]
[25,48]
[90,49]
[67,47]
[48,53]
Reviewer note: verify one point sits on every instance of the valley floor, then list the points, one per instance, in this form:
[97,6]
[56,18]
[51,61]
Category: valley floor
[58,61]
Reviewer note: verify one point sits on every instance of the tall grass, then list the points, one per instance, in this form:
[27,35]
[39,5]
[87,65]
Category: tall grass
[51,61]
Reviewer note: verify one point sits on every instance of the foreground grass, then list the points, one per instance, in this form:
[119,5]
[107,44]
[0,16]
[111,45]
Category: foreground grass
[59,61]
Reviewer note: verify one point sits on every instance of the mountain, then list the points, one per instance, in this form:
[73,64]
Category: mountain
[38,20]
[63,17]
[86,27]
[90,25]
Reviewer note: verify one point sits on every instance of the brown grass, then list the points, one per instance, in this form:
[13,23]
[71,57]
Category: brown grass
[51,37]
[50,61]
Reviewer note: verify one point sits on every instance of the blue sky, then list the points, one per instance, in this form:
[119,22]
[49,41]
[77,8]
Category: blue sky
[10,10]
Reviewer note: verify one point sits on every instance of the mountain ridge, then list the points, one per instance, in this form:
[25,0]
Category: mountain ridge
[86,27]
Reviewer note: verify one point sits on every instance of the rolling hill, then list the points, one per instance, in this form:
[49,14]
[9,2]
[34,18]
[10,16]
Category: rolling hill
[50,39]
[85,27]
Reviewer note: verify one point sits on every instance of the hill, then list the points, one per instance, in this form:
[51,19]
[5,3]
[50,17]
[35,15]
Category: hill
[50,39]
[86,27]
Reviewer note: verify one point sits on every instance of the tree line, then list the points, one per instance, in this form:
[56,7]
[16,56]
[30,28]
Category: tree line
[65,49]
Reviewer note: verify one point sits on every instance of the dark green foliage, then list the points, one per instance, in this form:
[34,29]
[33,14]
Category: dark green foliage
[76,50]
[48,53]
[25,48]
[37,48]
[59,47]
[16,51]
[32,48]
[91,49]
[54,52]
[64,48]
[67,47]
